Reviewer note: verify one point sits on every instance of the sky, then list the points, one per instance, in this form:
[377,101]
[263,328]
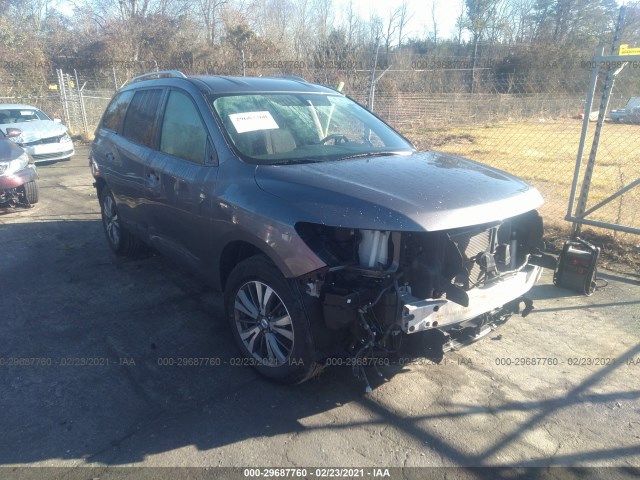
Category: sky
[419,25]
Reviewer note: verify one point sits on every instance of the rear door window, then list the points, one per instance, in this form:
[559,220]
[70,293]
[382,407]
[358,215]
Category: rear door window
[183,132]
[114,114]
[139,121]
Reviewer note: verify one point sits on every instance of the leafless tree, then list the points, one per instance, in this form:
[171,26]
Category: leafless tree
[210,12]
[460,24]
[404,16]
[35,11]
[394,25]
[322,11]
[434,23]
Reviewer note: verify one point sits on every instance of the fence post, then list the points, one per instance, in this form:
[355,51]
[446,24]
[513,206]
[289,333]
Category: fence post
[63,96]
[604,103]
[115,79]
[372,84]
[83,112]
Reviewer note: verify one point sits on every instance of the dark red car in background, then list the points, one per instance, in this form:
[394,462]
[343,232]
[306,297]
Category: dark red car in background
[18,177]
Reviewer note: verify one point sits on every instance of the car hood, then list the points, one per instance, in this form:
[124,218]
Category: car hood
[9,150]
[424,191]
[37,129]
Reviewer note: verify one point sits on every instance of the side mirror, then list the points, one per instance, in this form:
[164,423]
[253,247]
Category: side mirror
[57,120]
[13,132]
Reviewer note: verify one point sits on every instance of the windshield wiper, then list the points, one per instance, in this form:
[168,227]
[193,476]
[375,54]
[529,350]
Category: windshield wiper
[295,161]
[374,154]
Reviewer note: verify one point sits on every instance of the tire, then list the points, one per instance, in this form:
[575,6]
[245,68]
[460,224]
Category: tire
[31,192]
[275,338]
[120,240]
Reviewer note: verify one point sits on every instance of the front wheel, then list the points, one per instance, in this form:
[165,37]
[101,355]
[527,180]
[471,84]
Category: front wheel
[32,192]
[268,322]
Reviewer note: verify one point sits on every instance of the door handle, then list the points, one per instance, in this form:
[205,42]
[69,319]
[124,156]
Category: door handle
[153,177]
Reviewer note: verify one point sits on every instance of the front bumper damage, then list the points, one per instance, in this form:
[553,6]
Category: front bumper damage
[423,315]
[434,290]
[49,149]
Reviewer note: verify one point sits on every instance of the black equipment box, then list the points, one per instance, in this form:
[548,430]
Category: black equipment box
[577,266]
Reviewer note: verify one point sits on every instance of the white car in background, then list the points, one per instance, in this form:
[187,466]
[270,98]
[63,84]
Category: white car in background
[629,114]
[43,138]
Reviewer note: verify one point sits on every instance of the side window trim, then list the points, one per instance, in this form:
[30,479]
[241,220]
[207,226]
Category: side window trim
[157,123]
[211,153]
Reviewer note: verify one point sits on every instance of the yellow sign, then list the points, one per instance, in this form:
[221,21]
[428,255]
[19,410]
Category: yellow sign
[53,86]
[625,50]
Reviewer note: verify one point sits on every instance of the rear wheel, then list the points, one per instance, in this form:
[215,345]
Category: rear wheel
[120,240]
[268,322]
[32,192]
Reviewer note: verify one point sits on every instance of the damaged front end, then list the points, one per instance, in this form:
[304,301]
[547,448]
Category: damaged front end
[14,198]
[13,178]
[16,172]
[443,288]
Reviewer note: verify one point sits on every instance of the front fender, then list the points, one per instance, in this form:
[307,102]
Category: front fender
[18,178]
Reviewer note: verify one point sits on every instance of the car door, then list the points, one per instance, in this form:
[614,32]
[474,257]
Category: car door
[181,179]
[126,156]
[105,152]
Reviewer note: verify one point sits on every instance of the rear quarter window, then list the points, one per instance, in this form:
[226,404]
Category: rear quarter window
[113,115]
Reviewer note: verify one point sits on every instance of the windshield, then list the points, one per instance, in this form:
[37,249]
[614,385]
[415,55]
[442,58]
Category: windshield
[19,115]
[276,128]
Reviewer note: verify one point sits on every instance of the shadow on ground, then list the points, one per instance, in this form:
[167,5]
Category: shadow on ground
[107,378]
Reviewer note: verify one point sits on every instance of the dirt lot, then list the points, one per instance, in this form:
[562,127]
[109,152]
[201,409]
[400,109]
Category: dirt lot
[93,391]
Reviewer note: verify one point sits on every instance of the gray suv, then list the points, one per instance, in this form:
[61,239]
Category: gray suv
[329,234]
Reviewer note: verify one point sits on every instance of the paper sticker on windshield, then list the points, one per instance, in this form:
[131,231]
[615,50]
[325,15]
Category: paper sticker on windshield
[252,121]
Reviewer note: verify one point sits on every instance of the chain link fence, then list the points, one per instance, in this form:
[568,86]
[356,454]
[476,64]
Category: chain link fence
[534,136]
[527,126]
[611,191]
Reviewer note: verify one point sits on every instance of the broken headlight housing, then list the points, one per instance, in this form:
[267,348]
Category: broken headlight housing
[15,165]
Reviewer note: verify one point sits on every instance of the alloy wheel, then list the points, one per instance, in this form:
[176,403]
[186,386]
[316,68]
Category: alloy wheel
[264,323]
[110,219]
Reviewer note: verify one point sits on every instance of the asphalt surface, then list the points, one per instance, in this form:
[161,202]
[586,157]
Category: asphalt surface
[97,353]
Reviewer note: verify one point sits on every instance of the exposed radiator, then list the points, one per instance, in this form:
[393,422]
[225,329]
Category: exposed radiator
[471,244]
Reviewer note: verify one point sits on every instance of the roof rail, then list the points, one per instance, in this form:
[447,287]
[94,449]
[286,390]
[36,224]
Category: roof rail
[159,74]
[287,77]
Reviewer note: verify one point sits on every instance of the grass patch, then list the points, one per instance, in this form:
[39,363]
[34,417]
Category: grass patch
[544,153]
